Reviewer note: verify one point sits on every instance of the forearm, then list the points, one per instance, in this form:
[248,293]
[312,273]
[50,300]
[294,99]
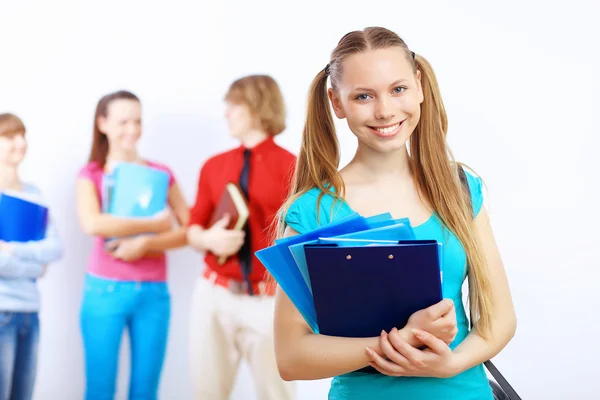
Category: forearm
[475,350]
[43,251]
[319,356]
[167,240]
[12,267]
[106,225]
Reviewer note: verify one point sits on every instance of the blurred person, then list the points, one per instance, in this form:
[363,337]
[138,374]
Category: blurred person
[21,265]
[125,284]
[232,309]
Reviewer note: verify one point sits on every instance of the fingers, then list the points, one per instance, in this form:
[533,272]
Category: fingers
[436,345]
[438,310]
[444,324]
[383,371]
[413,358]
[112,245]
[223,222]
[387,343]
[228,246]
[445,327]
[384,366]
[233,234]
[117,254]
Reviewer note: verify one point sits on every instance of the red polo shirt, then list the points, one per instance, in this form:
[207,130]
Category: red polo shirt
[271,171]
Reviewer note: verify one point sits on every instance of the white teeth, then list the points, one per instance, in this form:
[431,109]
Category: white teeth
[388,130]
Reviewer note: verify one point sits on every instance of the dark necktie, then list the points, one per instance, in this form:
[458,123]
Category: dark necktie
[245,253]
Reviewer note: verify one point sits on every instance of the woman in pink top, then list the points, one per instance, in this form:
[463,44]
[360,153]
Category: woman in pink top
[126,282]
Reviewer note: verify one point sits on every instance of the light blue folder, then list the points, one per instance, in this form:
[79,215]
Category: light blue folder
[278,260]
[138,191]
[400,230]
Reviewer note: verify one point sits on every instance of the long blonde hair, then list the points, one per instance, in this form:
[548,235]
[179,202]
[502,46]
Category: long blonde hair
[432,164]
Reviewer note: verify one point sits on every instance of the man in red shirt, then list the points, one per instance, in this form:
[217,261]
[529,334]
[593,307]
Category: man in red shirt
[232,311]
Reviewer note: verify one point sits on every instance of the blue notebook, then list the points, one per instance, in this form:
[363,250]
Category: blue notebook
[21,219]
[137,191]
[358,291]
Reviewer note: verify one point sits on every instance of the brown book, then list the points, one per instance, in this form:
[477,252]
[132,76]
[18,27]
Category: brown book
[234,203]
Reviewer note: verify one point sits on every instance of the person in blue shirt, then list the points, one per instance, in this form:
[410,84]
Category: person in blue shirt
[390,99]
[21,264]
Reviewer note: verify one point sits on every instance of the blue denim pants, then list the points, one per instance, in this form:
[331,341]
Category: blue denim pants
[19,335]
[109,307]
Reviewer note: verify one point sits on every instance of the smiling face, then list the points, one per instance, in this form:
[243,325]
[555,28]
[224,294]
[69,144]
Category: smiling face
[122,124]
[380,96]
[13,148]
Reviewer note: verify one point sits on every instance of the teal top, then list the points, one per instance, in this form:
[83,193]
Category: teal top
[471,384]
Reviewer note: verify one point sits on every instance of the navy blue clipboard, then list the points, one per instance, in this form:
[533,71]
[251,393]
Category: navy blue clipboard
[358,291]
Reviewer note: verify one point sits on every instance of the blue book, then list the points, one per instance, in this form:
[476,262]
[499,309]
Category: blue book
[137,191]
[22,219]
[359,291]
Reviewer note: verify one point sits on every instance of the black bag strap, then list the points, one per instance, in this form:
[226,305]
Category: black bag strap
[508,390]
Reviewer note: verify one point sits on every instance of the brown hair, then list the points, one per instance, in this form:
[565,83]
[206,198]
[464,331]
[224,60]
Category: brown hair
[262,95]
[11,125]
[99,149]
[432,164]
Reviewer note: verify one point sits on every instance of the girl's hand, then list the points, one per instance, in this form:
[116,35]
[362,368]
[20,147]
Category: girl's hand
[129,249]
[436,360]
[439,320]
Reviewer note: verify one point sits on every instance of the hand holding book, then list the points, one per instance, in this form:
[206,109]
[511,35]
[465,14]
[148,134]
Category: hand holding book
[129,249]
[438,319]
[233,206]
[135,247]
[222,241]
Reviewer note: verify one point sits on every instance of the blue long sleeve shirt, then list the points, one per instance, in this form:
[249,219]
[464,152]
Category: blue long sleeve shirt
[20,269]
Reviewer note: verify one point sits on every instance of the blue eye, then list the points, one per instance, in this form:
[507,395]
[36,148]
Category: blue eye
[399,89]
[362,97]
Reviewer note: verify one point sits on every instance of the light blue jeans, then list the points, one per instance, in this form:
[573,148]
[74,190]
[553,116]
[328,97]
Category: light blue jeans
[108,308]
[19,335]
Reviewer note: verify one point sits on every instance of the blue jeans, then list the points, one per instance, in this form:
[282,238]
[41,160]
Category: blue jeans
[109,306]
[19,334]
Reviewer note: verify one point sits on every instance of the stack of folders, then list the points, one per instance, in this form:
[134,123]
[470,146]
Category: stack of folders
[22,217]
[357,276]
[135,191]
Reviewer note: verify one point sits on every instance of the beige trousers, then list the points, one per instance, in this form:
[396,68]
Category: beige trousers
[224,328]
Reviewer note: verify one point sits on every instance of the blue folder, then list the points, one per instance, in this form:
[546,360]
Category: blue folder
[21,219]
[137,191]
[278,260]
[399,229]
[359,291]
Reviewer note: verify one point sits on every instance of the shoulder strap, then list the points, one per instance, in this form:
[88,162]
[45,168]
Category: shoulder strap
[508,390]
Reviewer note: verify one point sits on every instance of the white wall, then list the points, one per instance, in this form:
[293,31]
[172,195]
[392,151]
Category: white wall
[519,80]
